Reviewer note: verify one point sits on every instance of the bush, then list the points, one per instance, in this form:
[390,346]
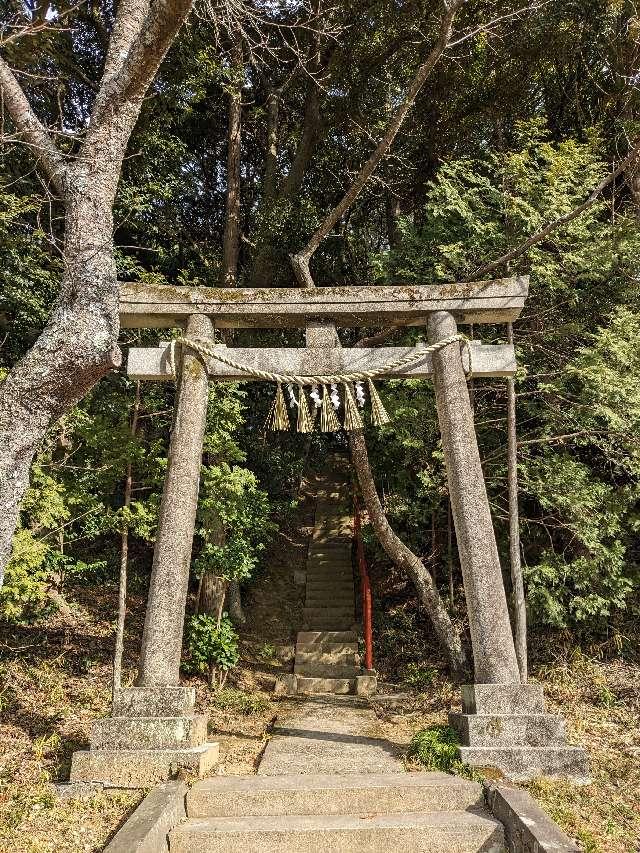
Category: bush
[213,647]
[437,748]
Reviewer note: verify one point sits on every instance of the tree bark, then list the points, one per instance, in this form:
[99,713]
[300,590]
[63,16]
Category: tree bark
[79,343]
[494,655]
[407,561]
[517,580]
[234,603]
[231,239]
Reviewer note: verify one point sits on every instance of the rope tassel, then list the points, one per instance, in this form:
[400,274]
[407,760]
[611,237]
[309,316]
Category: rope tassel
[279,417]
[379,415]
[352,419]
[305,421]
[328,419]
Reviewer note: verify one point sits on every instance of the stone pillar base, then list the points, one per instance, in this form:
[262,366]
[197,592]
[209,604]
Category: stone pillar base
[153,735]
[504,727]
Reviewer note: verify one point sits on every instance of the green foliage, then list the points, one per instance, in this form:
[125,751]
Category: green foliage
[418,676]
[212,647]
[24,585]
[232,699]
[436,747]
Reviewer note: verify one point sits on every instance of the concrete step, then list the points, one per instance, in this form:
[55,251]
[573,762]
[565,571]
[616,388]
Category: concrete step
[510,729]
[317,670]
[428,832]
[334,586]
[329,603]
[519,763]
[316,638]
[328,794]
[330,595]
[341,611]
[317,659]
[309,685]
[318,624]
[329,572]
[326,648]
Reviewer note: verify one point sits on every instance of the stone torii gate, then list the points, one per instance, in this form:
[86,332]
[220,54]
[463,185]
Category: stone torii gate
[158,699]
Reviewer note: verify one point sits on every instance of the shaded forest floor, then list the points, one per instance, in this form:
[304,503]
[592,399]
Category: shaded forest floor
[55,679]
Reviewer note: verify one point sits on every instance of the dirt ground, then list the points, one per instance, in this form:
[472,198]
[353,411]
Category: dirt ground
[55,679]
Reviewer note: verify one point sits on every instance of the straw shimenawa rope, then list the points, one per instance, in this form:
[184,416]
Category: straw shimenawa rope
[205,349]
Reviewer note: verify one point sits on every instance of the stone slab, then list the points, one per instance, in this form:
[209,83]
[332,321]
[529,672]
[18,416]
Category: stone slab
[321,793]
[286,685]
[510,729]
[147,830]
[154,702]
[329,734]
[142,768]
[145,305]
[366,685]
[502,698]
[430,832]
[149,732]
[521,763]
[325,638]
[528,829]
[311,684]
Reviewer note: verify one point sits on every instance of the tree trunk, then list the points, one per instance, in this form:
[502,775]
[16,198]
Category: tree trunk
[517,580]
[234,604]
[213,590]
[231,240]
[407,561]
[77,347]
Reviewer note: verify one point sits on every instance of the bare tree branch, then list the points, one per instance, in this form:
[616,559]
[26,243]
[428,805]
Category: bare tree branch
[31,129]
[300,261]
[540,235]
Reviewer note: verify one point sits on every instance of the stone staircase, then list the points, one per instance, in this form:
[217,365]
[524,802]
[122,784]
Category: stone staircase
[367,813]
[327,659]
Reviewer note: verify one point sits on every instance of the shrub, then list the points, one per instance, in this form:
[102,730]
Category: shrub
[213,647]
[232,699]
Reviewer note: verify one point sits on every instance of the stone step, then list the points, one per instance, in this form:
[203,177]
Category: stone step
[510,729]
[330,571]
[329,599]
[427,832]
[318,624]
[142,768]
[316,670]
[333,585]
[316,638]
[309,685]
[149,732]
[519,763]
[319,659]
[328,794]
[339,611]
[329,649]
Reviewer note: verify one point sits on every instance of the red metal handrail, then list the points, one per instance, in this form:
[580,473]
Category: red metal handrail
[365,587]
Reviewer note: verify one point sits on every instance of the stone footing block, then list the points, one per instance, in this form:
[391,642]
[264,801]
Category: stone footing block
[149,732]
[527,828]
[366,685]
[519,763]
[286,685]
[498,699]
[142,768]
[509,729]
[154,702]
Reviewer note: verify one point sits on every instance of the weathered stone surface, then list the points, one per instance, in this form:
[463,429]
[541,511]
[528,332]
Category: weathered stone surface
[502,698]
[431,832]
[520,763]
[527,828]
[164,620]
[325,794]
[308,685]
[154,702]
[149,732]
[147,830]
[286,685]
[299,577]
[141,768]
[329,734]
[509,729]
[366,685]
[147,305]
[153,364]
[494,653]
